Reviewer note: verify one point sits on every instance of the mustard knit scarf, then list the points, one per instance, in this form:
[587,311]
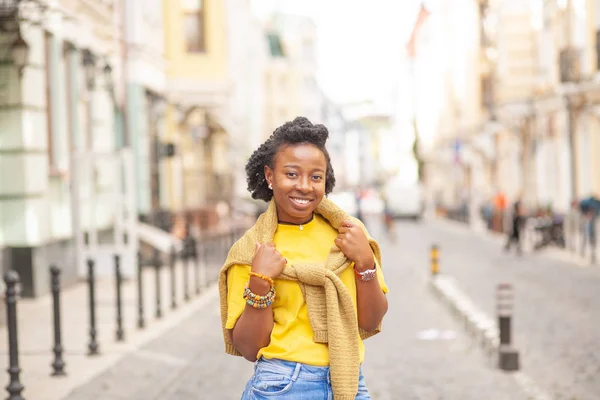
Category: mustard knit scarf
[330,308]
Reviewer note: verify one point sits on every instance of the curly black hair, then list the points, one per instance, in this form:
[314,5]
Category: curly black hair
[298,131]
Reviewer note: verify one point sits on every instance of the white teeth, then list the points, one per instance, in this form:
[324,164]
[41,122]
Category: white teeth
[301,201]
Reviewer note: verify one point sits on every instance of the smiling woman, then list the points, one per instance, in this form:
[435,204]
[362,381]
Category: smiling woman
[303,287]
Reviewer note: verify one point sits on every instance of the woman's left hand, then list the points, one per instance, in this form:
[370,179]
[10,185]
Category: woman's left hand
[354,243]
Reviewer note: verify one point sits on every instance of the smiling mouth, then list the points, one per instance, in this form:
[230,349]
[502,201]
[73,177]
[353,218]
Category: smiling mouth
[299,201]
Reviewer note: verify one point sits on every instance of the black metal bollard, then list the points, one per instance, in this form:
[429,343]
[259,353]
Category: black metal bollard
[120,334]
[14,388]
[186,270]
[157,265]
[172,261]
[58,365]
[140,323]
[508,357]
[93,344]
[196,260]
[207,245]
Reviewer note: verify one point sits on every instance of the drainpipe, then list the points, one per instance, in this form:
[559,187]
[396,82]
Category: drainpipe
[124,72]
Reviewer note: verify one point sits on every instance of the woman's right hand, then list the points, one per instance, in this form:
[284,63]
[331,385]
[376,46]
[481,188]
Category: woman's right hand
[267,260]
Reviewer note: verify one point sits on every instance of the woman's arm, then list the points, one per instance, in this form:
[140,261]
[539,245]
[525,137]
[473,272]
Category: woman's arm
[253,329]
[371,302]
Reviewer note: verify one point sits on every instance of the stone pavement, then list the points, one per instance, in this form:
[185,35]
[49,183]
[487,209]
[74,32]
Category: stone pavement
[557,306]
[35,330]
[422,353]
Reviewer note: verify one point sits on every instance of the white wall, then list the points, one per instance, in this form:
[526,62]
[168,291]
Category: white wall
[247,60]
[145,35]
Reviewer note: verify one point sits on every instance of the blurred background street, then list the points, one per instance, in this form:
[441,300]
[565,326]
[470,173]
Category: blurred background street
[464,133]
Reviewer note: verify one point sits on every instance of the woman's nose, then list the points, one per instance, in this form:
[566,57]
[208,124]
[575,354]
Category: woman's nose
[304,184]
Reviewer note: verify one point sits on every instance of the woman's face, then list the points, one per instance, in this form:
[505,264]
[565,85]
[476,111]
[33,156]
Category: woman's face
[298,180]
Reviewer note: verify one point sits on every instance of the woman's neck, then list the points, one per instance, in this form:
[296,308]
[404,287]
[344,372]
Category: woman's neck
[281,221]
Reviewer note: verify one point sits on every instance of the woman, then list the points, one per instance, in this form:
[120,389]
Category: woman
[303,287]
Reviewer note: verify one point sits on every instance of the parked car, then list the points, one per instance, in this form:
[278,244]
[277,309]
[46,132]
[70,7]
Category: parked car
[346,201]
[404,200]
[371,203]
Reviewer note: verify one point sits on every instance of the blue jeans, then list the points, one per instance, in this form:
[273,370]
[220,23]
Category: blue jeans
[285,380]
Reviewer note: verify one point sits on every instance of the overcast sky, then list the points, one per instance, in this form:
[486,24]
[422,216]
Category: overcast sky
[361,44]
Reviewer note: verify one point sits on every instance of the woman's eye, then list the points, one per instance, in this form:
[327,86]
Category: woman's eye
[317,177]
[291,174]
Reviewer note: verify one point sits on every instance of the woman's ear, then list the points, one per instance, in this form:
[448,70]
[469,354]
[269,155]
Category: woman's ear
[268,174]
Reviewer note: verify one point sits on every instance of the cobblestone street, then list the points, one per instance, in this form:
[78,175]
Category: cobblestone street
[557,306]
[422,352]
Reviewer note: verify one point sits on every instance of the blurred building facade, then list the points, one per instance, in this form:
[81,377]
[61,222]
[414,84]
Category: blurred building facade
[521,116]
[199,89]
[337,125]
[145,83]
[291,84]
[57,105]
[448,66]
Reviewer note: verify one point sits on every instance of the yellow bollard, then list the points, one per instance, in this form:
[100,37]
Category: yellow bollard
[435,267]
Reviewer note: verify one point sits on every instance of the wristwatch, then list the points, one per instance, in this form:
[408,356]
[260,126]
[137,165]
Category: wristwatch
[367,275]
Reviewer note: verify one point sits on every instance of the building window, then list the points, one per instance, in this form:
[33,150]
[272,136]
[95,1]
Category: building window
[194,25]
[49,106]
[275,45]
[68,49]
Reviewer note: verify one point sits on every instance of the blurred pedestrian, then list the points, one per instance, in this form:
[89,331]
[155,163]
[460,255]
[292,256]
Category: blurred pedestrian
[303,287]
[573,226]
[499,211]
[514,236]
[589,232]
[388,219]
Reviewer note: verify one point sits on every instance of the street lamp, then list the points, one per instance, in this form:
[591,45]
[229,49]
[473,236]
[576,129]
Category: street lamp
[108,78]
[8,8]
[20,53]
[89,63]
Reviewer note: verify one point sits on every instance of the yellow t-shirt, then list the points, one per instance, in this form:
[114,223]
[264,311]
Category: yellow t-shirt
[292,335]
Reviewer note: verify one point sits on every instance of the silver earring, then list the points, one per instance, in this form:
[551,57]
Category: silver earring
[270,186]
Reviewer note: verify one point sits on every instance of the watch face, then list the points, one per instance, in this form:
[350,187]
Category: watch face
[368,275]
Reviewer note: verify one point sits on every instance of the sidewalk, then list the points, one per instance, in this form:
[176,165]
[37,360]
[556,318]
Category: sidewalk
[554,253]
[35,329]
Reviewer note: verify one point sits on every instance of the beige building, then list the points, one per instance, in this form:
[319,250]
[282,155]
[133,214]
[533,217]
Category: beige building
[556,114]
[515,78]
[215,54]
[568,128]
[449,66]
[511,118]
[198,87]
[290,75]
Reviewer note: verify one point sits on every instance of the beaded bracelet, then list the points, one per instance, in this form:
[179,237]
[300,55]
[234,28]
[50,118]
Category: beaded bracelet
[263,277]
[258,301]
